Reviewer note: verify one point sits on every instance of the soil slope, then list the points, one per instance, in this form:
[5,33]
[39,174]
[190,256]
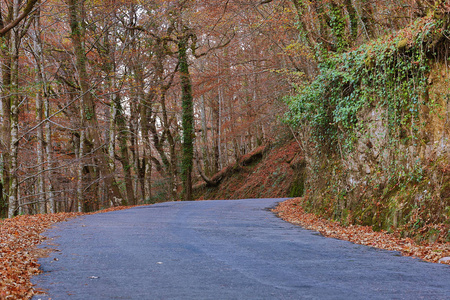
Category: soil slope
[274,174]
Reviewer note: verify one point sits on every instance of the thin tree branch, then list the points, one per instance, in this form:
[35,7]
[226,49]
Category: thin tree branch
[26,11]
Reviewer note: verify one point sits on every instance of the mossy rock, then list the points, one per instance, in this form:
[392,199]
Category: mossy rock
[369,62]
[402,44]
[297,188]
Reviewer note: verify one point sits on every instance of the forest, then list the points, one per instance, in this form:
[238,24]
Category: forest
[107,103]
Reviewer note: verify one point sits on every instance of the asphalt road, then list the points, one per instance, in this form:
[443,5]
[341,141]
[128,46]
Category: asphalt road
[222,250]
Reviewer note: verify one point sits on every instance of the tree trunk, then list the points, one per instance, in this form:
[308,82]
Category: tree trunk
[40,154]
[40,94]
[135,153]
[123,145]
[147,161]
[80,166]
[13,203]
[48,149]
[144,119]
[6,115]
[367,18]
[206,162]
[304,31]
[187,118]
[172,166]
[216,138]
[89,122]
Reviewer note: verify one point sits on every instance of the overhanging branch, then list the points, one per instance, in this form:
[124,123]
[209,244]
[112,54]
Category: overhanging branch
[26,11]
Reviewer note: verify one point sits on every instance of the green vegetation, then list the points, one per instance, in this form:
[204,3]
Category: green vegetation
[390,73]
[297,189]
[367,115]
[187,118]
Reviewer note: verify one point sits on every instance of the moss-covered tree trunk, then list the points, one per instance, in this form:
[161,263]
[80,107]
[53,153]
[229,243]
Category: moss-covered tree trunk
[187,118]
[5,124]
[89,123]
[124,155]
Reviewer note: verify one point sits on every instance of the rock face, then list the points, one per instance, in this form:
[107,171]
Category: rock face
[431,142]
[405,183]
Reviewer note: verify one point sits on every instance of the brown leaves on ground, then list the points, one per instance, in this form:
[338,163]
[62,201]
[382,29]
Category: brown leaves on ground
[292,211]
[18,261]
[18,253]
[272,177]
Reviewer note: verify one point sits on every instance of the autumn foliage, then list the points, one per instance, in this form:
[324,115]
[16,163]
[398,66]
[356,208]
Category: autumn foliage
[92,112]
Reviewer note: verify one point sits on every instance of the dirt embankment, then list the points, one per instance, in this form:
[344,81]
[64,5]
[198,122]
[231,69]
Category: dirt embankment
[266,172]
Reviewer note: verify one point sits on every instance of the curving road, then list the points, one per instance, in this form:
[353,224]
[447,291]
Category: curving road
[222,250]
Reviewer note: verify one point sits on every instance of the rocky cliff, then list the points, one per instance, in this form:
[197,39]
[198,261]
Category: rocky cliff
[375,130]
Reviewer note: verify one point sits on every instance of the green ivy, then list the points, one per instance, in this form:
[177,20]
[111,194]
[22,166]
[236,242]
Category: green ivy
[390,73]
[388,76]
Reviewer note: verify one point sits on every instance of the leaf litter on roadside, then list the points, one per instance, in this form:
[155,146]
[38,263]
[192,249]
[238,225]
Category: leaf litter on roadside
[292,211]
[19,255]
[18,259]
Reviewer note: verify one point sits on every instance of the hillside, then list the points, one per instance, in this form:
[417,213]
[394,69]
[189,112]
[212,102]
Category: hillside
[269,171]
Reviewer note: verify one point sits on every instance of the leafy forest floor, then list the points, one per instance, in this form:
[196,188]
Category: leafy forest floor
[266,172]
